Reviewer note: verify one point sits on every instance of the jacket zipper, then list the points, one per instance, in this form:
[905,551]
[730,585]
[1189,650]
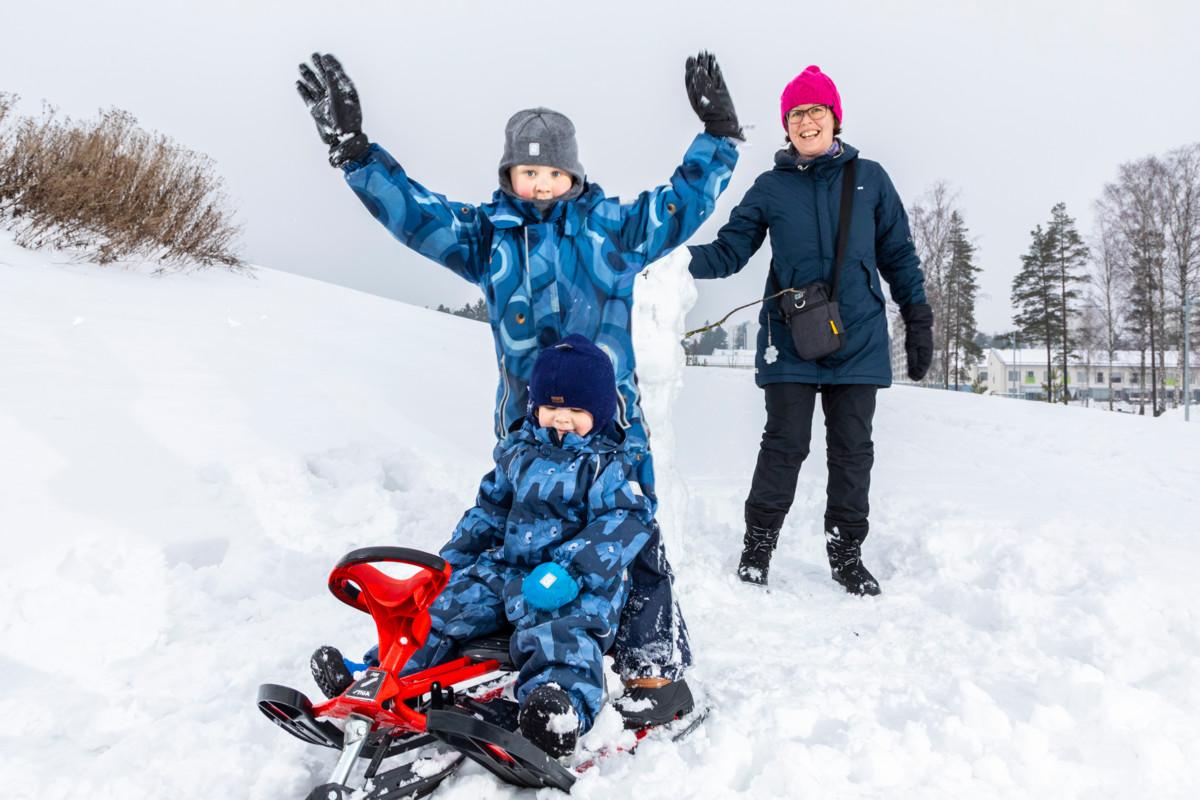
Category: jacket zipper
[503,398]
[528,275]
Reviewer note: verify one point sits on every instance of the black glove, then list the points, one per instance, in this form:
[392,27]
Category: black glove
[918,338]
[333,103]
[709,96]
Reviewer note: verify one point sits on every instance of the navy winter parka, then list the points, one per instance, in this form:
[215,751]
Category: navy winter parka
[798,205]
[570,499]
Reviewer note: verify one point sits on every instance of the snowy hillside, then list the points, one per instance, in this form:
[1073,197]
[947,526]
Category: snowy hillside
[185,457]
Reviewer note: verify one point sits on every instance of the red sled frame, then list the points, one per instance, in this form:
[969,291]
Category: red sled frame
[387,705]
[400,608]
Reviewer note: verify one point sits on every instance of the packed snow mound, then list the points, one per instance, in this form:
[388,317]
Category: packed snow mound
[186,456]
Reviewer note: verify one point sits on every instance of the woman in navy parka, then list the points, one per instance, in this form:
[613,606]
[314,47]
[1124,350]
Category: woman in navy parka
[798,203]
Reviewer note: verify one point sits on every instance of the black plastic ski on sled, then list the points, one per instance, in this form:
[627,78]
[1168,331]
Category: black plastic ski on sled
[293,711]
[401,783]
[509,756]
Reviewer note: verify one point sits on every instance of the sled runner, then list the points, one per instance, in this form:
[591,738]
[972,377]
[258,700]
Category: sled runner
[414,731]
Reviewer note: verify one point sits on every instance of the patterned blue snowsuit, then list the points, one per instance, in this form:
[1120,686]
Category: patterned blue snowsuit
[571,272]
[572,501]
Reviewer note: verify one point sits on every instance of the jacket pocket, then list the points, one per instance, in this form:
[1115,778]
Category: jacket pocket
[873,283]
[856,296]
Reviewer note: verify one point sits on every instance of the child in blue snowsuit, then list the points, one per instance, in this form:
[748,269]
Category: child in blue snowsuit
[546,547]
[554,256]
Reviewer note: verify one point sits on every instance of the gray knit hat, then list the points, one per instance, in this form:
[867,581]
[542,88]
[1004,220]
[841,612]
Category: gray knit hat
[540,136]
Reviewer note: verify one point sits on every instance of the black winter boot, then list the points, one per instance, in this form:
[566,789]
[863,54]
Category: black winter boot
[845,561]
[330,672]
[645,707]
[549,720]
[757,547]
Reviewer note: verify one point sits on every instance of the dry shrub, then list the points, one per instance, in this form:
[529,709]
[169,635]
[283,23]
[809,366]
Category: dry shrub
[111,191]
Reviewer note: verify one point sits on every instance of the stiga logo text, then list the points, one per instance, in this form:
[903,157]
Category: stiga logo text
[368,687]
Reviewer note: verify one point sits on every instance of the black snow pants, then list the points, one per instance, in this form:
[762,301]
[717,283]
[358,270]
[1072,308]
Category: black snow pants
[849,410]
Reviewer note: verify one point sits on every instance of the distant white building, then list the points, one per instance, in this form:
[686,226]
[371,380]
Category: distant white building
[968,376]
[739,359]
[1022,373]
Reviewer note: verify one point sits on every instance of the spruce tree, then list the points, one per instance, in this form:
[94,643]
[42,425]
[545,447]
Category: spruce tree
[1144,311]
[1068,260]
[962,289]
[708,341]
[1038,312]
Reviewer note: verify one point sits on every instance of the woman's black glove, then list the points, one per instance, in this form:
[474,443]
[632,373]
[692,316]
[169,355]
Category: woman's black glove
[918,338]
[333,103]
[709,96]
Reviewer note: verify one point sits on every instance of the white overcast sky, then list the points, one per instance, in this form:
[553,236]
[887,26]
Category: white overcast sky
[1018,105]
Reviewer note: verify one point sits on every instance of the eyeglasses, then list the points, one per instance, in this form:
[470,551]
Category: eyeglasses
[815,113]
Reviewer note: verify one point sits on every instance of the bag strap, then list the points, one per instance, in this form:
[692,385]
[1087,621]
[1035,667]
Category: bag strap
[849,173]
[844,216]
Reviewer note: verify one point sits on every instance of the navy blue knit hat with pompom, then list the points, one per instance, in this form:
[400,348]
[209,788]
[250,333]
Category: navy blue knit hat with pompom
[574,373]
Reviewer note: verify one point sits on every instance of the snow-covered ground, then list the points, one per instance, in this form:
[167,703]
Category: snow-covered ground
[185,457]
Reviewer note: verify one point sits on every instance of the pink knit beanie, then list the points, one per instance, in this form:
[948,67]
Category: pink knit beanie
[810,86]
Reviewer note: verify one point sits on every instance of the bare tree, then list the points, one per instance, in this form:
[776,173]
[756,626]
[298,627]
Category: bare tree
[930,223]
[1135,208]
[1182,212]
[1090,334]
[741,336]
[1108,269]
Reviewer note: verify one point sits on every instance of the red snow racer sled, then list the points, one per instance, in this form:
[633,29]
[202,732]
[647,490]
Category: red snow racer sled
[425,722]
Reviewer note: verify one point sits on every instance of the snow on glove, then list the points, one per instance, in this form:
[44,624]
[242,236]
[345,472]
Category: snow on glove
[709,96]
[549,587]
[333,102]
[918,338]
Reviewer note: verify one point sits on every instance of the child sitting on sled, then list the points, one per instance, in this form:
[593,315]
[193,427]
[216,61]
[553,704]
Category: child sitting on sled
[546,546]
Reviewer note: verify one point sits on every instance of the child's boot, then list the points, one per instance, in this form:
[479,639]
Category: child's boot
[654,701]
[332,671]
[550,721]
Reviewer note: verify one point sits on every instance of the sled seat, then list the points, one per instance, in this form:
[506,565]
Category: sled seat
[493,646]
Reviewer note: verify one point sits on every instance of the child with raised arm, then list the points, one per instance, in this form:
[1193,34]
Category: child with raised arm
[554,256]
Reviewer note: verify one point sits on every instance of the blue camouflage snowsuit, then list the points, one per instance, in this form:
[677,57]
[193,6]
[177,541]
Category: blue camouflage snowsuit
[570,272]
[572,501]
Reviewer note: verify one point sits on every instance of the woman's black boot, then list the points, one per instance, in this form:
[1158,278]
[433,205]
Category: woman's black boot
[757,548]
[845,562]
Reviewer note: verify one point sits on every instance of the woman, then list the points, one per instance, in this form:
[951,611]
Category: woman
[799,203]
